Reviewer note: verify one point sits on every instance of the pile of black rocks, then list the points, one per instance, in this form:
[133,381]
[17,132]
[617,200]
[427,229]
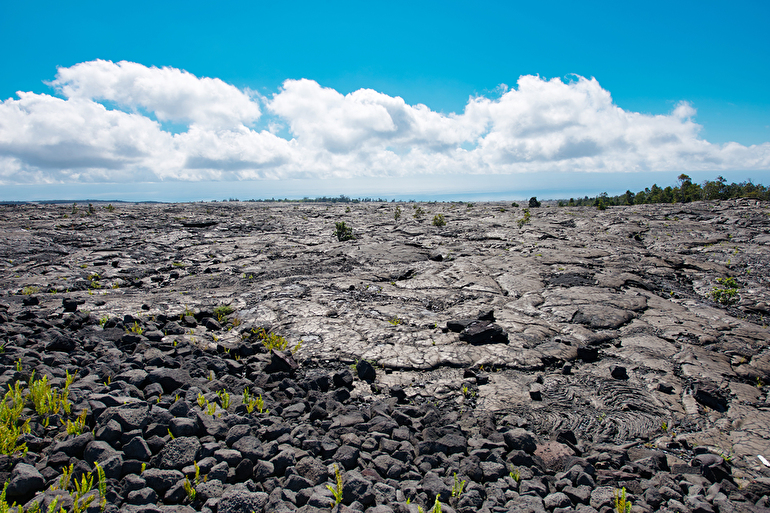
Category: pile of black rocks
[166,422]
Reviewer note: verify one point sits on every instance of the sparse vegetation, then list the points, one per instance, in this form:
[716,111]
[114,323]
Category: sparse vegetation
[457,486]
[622,504]
[438,220]
[727,295]
[336,490]
[525,219]
[222,311]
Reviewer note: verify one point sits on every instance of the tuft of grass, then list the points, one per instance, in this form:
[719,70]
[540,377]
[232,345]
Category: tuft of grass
[438,220]
[28,291]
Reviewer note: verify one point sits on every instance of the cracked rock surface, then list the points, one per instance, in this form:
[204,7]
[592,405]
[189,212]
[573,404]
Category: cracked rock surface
[547,363]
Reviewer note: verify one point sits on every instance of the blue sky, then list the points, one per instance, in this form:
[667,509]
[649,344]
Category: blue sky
[361,97]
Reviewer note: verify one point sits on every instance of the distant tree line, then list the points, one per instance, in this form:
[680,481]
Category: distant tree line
[685,192]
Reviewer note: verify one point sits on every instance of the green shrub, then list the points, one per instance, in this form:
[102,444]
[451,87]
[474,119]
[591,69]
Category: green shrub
[727,295]
[438,220]
[222,311]
[343,232]
[533,203]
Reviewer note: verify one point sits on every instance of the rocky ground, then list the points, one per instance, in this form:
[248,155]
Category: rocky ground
[507,361]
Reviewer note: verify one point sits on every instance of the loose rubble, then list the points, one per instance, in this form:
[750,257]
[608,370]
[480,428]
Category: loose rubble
[566,360]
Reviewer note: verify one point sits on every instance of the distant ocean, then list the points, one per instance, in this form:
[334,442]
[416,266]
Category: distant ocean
[516,187]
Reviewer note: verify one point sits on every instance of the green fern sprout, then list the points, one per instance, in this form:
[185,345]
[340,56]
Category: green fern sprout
[457,487]
[189,489]
[224,398]
[102,486]
[622,505]
[336,491]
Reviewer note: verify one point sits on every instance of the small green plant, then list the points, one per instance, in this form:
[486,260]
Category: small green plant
[189,490]
[82,487]
[397,214]
[515,205]
[727,295]
[28,291]
[515,474]
[135,329]
[10,413]
[222,311]
[44,398]
[102,485]
[524,220]
[457,487]
[224,398]
[622,505]
[144,467]
[18,365]
[211,409]
[466,390]
[110,208]
[103,321]
[437,505]
[202,402]
[170,434]
[253,402]
[438,220]
[77,427]
[342,231]
[186,312]
[66,477]
[418,213]
[336,490]
[395,321]
[271,340]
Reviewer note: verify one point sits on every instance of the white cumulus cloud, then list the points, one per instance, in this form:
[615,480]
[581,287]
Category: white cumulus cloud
[171,94]
[106,125]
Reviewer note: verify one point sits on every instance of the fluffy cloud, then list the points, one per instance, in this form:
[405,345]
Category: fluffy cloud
[105,127]
[171,94]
